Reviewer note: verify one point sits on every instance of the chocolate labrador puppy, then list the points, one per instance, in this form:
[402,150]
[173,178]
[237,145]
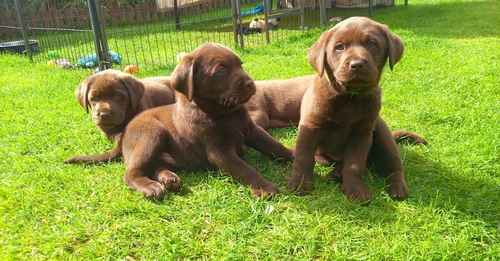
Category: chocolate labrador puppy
[276,104]
[114,98]
[208,126]
[340,113]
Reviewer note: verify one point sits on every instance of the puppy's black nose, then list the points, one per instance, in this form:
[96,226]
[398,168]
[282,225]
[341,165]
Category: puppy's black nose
[357,64]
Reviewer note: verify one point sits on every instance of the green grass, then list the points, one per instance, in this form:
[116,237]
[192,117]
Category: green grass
[446,88]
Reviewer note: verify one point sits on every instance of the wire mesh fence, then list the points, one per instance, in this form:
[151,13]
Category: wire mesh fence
[152,32]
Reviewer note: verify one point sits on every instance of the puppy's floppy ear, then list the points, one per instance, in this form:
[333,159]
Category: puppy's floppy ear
[316,54]
[134,88]
[179,56]
[82,93]
[182,76]
[395,47]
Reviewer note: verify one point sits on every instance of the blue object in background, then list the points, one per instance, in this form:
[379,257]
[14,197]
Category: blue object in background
[90,61]
[253,11]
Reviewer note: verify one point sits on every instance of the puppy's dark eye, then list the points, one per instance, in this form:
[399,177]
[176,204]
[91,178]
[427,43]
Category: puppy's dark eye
[220,71]
[118,95]
[339,47]
[372,43]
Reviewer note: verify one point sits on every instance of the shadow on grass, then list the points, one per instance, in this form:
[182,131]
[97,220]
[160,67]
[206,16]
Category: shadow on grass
[431,184]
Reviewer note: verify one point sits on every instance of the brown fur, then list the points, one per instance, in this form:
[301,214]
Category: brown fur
[113,98]
[340,113]
[276,104]
[208,126]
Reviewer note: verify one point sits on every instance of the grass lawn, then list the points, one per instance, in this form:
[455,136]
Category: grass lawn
[446,88]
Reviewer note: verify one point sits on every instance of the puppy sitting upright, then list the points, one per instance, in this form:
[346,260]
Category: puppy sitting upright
[114,98]
[208,126]
[339,113]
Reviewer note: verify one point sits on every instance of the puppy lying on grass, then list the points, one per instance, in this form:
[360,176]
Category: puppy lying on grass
[207,127]
[114,98]
[117,97]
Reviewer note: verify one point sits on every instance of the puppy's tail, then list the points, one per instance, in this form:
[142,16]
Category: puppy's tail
[408,137]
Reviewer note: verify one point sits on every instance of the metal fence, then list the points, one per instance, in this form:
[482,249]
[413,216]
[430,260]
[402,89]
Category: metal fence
[152,32]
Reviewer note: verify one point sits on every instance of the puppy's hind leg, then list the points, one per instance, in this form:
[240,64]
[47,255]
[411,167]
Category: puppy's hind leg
[385,158]
[139,158]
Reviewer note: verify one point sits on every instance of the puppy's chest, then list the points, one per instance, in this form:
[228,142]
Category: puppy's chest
[231,131]
[345,115]
[345,111]
[202,130]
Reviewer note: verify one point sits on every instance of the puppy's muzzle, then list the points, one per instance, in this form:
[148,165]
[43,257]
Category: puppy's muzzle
[356,75]
[356,65]
[244,90]
[103,117]
[250,89]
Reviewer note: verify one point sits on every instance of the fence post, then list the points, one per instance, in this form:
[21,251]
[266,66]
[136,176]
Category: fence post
[370,7]
[101,49]
[177,18]
[302,13]
[238,20]
[22,24]
[266,20]
[6,5]
[235,22]
[104,38]
[322,12]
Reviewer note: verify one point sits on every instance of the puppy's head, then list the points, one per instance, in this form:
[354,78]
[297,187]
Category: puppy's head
[353,53]
[111,96]
[212,76]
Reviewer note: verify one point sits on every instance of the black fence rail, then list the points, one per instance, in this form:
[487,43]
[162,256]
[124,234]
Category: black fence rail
[151,33]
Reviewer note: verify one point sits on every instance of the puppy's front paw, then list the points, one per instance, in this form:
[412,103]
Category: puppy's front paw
[398,189]
[266,190]
[170,180]
[300,184]
[356,190]
[152,190]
